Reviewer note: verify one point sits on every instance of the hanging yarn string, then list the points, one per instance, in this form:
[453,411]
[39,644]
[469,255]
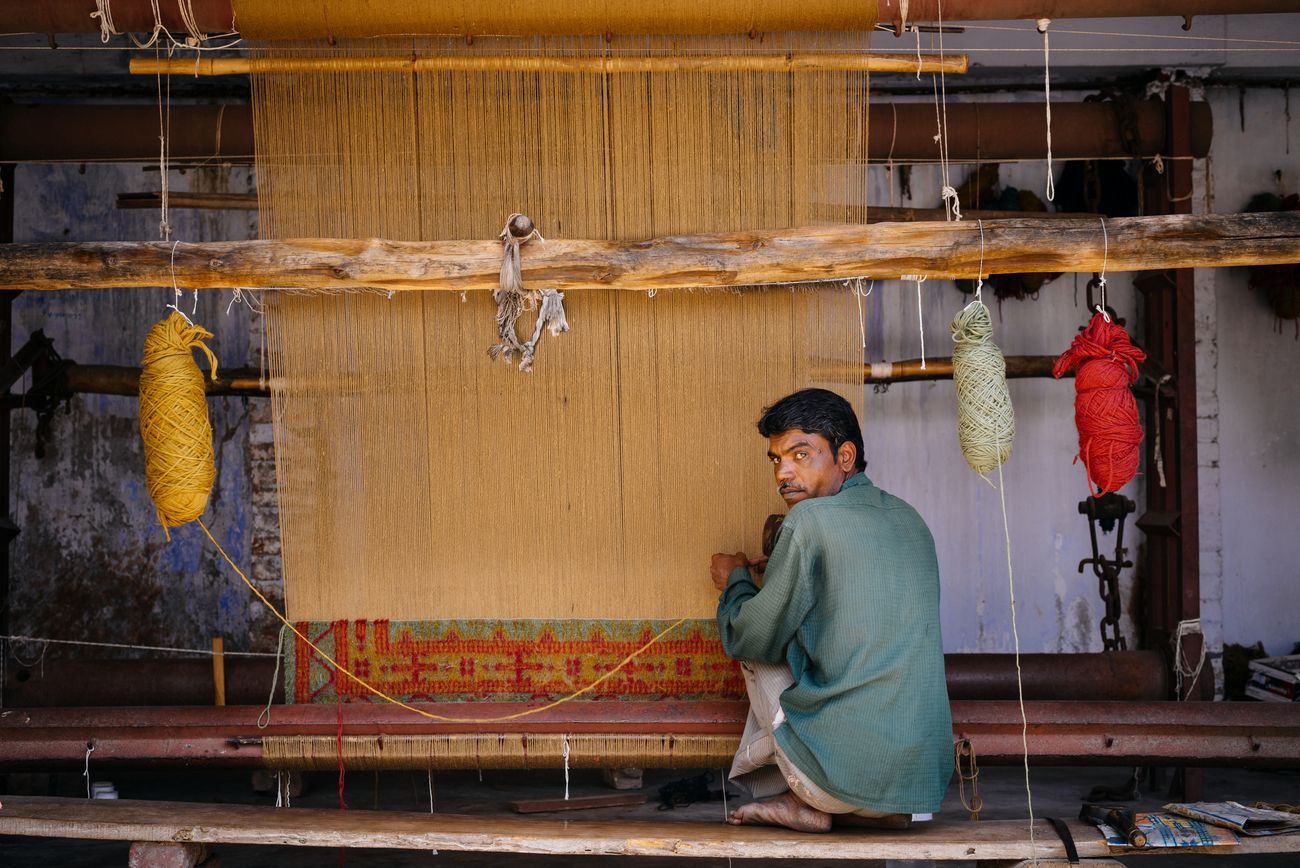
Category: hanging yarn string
[512,299]
[1104,408]
[178,458]
[986,422]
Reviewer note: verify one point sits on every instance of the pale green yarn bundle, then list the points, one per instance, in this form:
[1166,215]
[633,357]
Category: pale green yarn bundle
[986,422]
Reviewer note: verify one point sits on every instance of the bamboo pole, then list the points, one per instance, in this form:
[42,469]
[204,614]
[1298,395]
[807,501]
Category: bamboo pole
[821,253]
[952,64]
[1018,367]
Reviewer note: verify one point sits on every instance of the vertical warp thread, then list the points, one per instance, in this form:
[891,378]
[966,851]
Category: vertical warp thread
[179,466]
[986,421]
[1104,408]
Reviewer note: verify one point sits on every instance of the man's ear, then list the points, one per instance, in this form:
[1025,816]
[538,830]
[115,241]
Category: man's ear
[846,457]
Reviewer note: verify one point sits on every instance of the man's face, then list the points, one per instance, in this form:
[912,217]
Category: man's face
[805,465]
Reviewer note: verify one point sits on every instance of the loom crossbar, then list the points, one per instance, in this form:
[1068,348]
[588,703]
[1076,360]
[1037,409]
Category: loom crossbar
[820,253]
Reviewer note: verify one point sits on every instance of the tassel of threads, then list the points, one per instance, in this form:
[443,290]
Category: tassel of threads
[178,457]
[986,421]
[1104,408]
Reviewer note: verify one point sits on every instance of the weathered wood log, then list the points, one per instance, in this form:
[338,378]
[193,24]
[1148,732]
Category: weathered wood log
[952,64]
[821,253]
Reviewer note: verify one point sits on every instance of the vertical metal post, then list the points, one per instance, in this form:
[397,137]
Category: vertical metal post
[1172,520]
[7,528]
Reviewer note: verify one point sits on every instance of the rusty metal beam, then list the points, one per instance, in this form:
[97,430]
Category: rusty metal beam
[986,131]
[216,16]
[890,11]
[82,682]
[1082,733]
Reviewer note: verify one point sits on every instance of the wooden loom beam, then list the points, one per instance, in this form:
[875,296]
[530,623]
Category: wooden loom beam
[844,61]
[823,253]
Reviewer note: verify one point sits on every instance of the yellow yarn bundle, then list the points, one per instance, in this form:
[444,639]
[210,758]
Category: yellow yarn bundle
[178,458]
[986,422]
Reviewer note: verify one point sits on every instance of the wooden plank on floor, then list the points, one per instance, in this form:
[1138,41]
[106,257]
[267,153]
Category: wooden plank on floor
[944,840]
[577,803]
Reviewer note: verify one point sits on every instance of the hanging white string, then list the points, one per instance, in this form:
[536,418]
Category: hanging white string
[889,160]
[952,204]
[264,719]
[279,789]
[920,316]
[430,771]
[917,31]
[1020,687]
[105,15]
[1043,24]
[566,767]
[90,748]
[1105,259]
[979,278]
[722,775]
[1182,669]
[176,290]
[855,286]
[164,226]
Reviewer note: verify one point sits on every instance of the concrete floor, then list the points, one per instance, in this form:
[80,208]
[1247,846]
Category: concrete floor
[1056,792]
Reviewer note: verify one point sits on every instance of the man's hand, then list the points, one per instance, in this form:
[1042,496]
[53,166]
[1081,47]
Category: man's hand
[723,565]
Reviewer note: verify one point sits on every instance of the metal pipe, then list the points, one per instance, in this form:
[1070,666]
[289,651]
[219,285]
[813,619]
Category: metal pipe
[121,380]
[82,683]
[89,682]
[100,133]
[890,11]
[129,16]
[1079,733]
[216,16]
[903,132]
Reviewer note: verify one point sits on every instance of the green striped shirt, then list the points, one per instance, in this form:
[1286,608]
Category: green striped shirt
[850,600]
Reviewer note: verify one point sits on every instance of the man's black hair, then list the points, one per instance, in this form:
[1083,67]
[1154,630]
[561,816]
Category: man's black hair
[815,411]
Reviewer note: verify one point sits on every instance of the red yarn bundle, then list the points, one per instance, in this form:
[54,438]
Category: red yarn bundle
[1104,408]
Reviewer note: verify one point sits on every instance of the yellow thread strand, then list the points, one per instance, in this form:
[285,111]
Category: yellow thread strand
[179,466]
[384,696]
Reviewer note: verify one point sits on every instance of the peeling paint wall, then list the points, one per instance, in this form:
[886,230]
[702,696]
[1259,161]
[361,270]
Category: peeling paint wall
[91,561]
[1257,410]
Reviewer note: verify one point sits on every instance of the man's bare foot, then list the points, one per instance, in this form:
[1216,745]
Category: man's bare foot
[783,810]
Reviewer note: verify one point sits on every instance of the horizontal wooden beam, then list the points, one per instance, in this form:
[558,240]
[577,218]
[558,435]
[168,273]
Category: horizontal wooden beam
[953,64]
[820,253]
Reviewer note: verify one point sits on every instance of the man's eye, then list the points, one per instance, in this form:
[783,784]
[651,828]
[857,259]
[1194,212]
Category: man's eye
[801,455]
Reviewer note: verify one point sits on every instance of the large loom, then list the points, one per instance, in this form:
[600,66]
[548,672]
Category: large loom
[452,528]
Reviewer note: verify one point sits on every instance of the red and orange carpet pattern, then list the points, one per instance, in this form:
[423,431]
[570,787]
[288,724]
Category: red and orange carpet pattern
[445,661]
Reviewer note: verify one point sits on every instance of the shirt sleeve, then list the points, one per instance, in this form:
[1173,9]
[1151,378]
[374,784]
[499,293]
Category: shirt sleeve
[758,624]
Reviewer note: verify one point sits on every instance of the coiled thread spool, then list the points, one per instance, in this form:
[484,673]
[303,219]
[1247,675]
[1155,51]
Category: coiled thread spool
[986,421]
[178,457]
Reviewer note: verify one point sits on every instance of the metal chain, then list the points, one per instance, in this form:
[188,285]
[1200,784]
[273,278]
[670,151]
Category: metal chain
[1108,588]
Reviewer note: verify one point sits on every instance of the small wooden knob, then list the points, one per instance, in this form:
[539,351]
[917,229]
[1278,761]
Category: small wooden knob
[521,226]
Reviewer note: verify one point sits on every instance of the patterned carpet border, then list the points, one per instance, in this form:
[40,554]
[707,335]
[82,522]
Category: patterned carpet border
[510,661]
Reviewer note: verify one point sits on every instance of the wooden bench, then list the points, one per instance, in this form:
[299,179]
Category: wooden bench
[989,842]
